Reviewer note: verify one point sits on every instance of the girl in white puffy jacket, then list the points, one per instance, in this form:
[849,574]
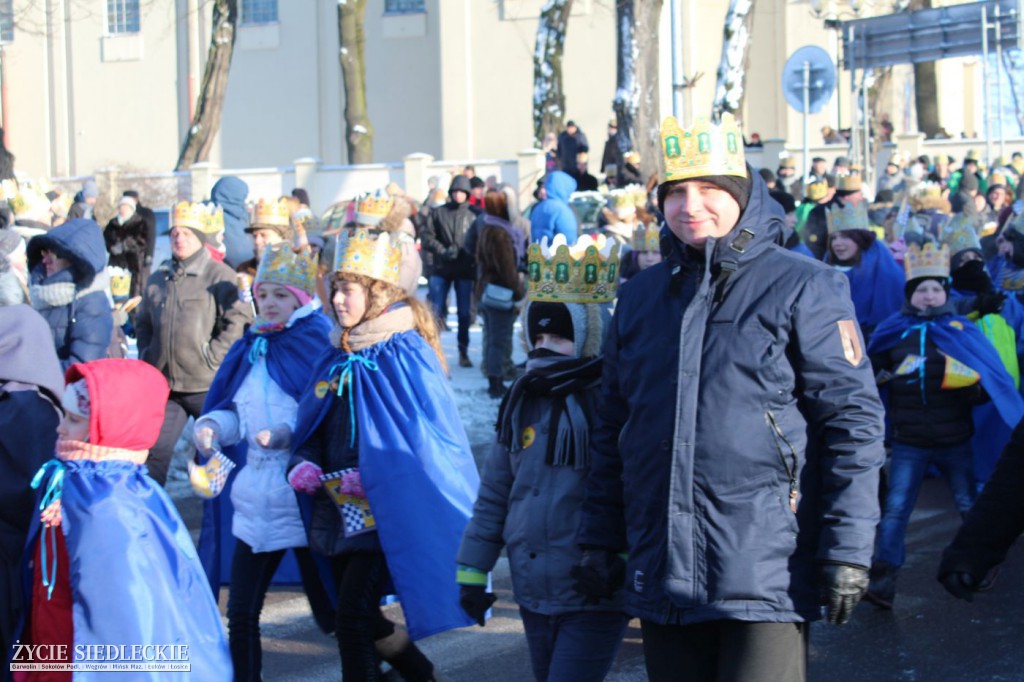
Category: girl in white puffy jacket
[243,441]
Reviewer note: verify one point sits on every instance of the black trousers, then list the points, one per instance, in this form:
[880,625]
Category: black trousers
[726,651]
[360,579]
[180,406]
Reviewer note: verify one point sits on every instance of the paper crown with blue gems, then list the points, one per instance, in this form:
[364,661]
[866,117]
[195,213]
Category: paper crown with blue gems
[930,261]
[281,264]
[360,252]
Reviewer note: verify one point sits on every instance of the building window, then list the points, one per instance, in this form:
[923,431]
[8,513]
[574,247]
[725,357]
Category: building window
[6,21]
[122,16]
[259,12]
[404,6]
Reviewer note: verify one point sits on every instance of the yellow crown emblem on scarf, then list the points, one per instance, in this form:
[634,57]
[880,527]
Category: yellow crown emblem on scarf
[358,252]
[273,213]
[930,261]
[703,149]
[961,233]
[646,239]
[588,272]
[120,282]
[849,216]
[372,208]
[281,264]
[816,191]
[205,218]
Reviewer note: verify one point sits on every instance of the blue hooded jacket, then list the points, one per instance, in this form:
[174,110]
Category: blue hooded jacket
[554,215]
[229,193]
[83,322]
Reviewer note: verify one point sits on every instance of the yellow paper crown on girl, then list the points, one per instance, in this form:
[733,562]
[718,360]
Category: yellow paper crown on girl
[646,239]
[588,272]
[931,261]
[358,252]
[120,282]
[205,218]
[273,213]
[816,191]
[373,208]
[849,216]
[850,182]
[281,264]
[703,149]
[961,233]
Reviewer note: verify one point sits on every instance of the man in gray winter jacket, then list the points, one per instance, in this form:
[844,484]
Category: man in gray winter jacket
[189,317]
[740,433]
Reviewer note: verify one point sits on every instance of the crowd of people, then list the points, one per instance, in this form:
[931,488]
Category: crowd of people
[721,477]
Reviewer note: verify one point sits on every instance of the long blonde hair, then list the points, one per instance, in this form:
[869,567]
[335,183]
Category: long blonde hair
[379,296]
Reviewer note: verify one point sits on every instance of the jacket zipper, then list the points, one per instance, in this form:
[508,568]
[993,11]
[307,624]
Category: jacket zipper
[778,435]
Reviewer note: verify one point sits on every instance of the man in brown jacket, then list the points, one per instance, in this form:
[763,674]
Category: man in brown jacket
[189,317]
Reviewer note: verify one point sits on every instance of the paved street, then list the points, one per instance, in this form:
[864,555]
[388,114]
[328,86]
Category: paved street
[929,637]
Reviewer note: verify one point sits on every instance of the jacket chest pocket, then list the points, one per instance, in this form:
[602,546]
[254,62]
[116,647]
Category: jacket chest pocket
[747,346]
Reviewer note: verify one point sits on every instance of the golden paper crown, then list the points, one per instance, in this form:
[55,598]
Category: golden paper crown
[997,179]
[273,213]
[849,182]
[621,200]
[120,282]
[281,264]
[961,233]
[586,273]
[702,150]
[358,252]
[930,261]
[816,191]
[927,189]
[639,195]
[205,218]
[372,208]
[849,216]
[646,239]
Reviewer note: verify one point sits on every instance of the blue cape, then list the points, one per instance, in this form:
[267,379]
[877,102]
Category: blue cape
[134,573]
[961,340]
[416,467]
[290,354]
[876,285]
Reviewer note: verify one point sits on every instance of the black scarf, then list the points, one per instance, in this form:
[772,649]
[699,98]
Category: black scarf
[566,383]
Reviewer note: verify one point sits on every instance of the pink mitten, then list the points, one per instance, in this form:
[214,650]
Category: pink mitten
[352,484]
[305,477]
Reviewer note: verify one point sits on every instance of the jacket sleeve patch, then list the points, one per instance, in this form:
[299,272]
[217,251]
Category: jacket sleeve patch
[849,335]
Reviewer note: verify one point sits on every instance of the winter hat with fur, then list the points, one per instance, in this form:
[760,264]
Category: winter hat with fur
[589,321]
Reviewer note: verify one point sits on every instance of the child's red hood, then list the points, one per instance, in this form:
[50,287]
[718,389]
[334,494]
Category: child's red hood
[127,400]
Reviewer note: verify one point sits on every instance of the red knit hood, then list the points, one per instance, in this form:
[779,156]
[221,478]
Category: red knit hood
[127,400]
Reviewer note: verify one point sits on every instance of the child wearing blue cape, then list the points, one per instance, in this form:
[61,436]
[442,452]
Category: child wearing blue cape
[109,560]
[251,517]
[380,447]
[936,366]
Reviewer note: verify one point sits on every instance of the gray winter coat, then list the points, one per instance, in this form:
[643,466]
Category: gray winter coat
[533,509]
[189,317]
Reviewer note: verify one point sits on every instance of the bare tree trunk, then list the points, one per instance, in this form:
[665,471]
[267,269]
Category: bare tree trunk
[729,89]
[647,127]
[636,94]
[548,96]
[210,104]
[926,88]
[352,36]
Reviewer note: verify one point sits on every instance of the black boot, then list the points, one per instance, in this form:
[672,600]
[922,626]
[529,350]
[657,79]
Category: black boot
[464,360]
[882,589]
[405,657]
[495,388]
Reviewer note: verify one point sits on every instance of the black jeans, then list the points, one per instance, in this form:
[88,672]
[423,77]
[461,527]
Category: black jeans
[180,406]
[498,326]
[251,573]
[726,651]
[360,578]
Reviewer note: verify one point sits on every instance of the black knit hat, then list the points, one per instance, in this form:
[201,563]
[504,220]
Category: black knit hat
[911,285]
[545,317]
[737,187]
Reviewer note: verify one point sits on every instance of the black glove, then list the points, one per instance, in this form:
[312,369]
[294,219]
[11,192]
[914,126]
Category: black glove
[451,253]
[598,575]
[989,302]
[842,586]
[959,584]
[475,600]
